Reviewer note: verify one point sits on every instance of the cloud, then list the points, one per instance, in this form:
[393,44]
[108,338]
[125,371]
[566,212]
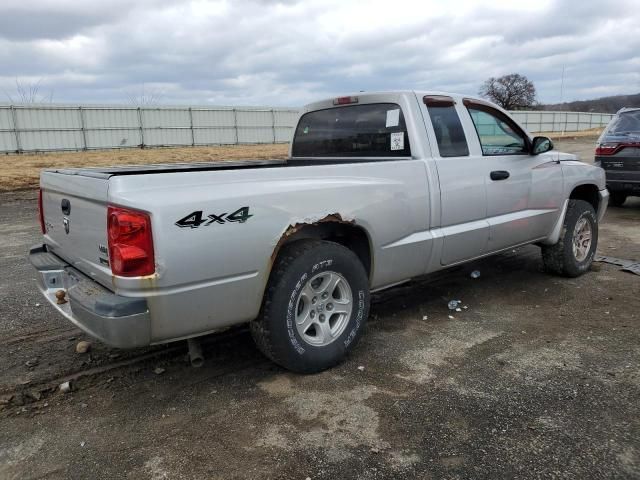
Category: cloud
[288,52]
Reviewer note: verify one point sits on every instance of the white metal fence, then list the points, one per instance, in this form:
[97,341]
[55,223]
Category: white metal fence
[539,121]
[34,128]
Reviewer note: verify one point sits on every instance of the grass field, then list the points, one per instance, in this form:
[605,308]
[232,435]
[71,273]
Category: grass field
[21,172]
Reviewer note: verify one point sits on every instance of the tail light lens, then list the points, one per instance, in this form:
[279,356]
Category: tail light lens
[607,148]
[130,242]
[614,147]
[41,212]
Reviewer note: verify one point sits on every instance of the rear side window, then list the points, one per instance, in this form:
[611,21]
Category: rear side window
[373,130]
[626,123]
[449,132]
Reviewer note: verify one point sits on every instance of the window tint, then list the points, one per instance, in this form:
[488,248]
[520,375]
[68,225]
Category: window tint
[449,132]
[625,123]
[374,130]
[496,136]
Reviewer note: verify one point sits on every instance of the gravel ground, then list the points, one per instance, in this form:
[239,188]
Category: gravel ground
[538,378]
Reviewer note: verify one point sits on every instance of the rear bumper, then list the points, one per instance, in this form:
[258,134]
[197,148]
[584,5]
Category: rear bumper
[122,322]
[626,185]
[623,181]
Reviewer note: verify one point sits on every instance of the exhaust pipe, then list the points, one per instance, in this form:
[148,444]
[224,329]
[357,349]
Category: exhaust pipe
[195,352]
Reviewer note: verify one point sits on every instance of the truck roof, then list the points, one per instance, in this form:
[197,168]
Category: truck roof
[386,95]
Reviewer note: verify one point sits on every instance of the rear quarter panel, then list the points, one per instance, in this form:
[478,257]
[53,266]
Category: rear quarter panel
[214,275]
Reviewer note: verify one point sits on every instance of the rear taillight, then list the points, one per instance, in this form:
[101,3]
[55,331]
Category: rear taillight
[614,147]
[607,148]
[130,242]
[41,212]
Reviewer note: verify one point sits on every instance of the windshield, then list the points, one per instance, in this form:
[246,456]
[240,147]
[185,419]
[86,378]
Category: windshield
[372,130]
[626,123]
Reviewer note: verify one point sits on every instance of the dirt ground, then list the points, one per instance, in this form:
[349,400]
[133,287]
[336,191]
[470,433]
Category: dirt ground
[538,378]
[23,171]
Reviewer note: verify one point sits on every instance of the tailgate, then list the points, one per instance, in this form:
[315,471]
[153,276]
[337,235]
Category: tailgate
[75,217]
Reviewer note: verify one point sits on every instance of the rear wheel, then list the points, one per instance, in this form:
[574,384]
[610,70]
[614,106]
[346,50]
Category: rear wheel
[617,198]
[315,306]
[573,254]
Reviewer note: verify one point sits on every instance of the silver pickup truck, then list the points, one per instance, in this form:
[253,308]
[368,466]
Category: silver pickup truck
[378,188]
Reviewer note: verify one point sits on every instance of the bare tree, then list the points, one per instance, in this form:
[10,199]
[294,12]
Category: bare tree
[511,92]
[29,92]
[145,96]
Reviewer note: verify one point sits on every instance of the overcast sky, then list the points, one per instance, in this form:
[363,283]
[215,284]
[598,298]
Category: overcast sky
[289,52]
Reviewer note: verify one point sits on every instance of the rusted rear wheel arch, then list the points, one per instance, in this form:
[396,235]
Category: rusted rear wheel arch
[334,229]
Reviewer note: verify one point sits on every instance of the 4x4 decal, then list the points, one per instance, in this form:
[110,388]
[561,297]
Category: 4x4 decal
[195,219]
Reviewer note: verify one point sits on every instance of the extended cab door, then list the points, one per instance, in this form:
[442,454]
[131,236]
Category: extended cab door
[524,191]
[463,194]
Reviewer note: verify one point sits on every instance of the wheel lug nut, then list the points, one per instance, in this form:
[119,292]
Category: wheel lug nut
[325,295]
[314,299]
[329,306]
[322,317]
[313,313]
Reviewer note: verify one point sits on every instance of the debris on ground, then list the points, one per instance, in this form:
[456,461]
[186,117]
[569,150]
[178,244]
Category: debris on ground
[34,395]
[32,363]
[627,265]
[65,387]
[159,370]
[83,346]
[361,368]
[425,317]
[453,304]
[451,317]
[475,274]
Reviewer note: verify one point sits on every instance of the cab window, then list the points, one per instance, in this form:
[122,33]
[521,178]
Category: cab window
[448,129]
[497,136]
[370,130]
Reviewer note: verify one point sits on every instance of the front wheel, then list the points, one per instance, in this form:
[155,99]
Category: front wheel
[573,254]
[315,306]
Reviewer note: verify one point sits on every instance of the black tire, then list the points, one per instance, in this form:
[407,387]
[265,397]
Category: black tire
[617,198]
[560,258]
[275,331]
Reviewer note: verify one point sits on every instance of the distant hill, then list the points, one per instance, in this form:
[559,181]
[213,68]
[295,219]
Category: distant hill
[600,105]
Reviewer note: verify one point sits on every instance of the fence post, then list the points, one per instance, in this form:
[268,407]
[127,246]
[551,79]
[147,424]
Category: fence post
[14,117]
[566,119]
[193,137]
[235,125]
[141,128]
[82,128]
[273,124]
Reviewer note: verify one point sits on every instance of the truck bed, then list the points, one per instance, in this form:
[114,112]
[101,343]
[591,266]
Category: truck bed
[168,168]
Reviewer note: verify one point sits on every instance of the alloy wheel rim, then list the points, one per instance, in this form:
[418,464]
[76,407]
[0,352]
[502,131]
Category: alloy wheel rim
[323,308]
[582,239]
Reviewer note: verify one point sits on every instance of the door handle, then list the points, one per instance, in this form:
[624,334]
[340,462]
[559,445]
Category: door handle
[499,175]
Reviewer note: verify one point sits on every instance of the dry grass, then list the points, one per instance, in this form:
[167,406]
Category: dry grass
[592,132]
[22,171]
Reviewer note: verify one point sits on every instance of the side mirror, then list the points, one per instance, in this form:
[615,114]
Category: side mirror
[541,145]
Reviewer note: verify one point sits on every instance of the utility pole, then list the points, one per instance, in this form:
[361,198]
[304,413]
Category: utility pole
[562,85]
